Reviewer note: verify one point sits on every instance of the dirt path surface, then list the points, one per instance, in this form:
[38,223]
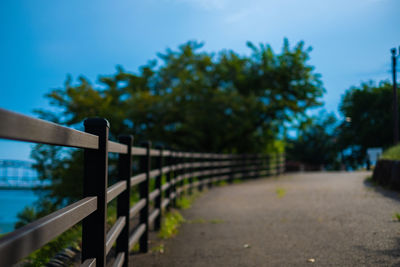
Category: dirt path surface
[334,219]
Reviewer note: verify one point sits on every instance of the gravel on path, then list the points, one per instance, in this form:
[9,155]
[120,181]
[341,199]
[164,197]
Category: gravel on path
[307,219]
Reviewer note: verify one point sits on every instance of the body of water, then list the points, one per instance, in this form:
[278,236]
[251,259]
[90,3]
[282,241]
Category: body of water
[13,201]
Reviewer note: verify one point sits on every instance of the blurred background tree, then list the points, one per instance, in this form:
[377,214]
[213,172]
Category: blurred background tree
[192,101]
[316,142]
[368,122]
[200,101]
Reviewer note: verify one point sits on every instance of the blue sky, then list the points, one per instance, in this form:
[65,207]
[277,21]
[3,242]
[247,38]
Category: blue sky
[43,41]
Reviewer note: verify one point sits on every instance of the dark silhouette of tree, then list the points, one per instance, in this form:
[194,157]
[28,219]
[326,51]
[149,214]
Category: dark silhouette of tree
[201,101]
[316,142]
[193,100]
[368,120]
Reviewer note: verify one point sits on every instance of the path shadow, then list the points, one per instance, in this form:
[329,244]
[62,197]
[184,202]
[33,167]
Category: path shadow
[391,254]
[386,192]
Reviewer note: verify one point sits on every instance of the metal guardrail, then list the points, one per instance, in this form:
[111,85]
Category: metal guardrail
[183,171]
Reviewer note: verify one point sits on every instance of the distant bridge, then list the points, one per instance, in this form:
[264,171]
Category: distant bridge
[19,174]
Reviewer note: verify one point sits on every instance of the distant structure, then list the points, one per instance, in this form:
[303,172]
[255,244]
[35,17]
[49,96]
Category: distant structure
[19,174]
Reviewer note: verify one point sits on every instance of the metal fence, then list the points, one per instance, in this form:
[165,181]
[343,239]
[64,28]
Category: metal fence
[20,175]
[182,173]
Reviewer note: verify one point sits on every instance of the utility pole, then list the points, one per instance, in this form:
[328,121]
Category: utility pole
[395,104]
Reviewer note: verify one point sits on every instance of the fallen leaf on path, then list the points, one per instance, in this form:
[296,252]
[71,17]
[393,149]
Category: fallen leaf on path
[246,245]
[311,260]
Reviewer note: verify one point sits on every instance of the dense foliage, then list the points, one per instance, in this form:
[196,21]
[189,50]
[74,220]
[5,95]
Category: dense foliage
[316,142]
[369,112]
[193,100]
[392,153]
[200,101]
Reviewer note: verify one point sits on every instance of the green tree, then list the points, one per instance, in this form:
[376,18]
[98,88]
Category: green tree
[193,100]
[201,101]
[369,123]
[316,142]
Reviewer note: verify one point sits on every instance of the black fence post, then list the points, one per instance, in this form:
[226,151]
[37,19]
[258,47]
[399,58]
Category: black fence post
[183,173]
[177,172]
[158,200]
[231,169]
[218,173]
[167,194]
[200,177]
[190,171]
[267,165]
[123,200]
[211,169]
[281,163]
[264,171]
[257,166]
[218,181]
[95,184]
[277,164]
[173,178]
[182,161]
[244,166]
[144,193]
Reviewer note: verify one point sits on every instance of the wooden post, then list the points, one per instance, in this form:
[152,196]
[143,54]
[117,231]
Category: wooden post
[200,177]
[211,169]
[182,173]
[95,184]
[144,193]
[244,166]
[268,164]
[123,200]
[158,200]
[190,170]
[173,178]
[168,176]
[231,169]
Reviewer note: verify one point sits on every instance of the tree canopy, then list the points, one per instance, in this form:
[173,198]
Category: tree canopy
[316,142]
[191,100]
[368,111]
[195,100]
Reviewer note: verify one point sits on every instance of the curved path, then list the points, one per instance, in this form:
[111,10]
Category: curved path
[321,219]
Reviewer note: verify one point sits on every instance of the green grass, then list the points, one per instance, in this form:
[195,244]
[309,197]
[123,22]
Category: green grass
[396,216]
[42,256]
[223,183]
[392,153]
[216,221]
[280,192]
[200,221]
[159,249]
[136,248]
[170,224]
[186,201]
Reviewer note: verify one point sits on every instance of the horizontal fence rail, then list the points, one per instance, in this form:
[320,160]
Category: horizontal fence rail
[174,173]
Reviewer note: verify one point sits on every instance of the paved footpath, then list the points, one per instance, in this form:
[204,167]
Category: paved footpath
[320,219]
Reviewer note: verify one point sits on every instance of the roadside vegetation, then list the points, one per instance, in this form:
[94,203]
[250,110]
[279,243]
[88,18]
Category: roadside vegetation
[392,153]
[280,192]
[170,224]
